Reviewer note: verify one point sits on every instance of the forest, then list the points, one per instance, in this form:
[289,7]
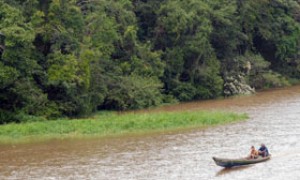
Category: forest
[71,58]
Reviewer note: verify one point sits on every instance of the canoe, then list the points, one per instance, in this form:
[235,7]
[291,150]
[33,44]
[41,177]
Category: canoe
[239,162]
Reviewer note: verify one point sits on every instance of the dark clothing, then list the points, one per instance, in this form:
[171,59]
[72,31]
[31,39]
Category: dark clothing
[264,150]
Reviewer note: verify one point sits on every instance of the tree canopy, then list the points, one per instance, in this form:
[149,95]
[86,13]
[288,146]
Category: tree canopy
[74,57]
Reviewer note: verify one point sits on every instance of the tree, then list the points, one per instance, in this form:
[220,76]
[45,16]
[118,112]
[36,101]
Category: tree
[18,66]
[183,31]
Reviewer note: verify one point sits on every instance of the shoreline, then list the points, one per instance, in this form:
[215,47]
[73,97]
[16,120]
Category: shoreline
[112,124]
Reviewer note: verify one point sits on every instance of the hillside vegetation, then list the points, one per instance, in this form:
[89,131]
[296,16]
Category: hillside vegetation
[74,57]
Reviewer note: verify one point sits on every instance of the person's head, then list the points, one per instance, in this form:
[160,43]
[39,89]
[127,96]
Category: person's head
[252,147]
[263,145]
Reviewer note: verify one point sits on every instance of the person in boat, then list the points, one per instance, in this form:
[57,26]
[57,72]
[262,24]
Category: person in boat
[263,150]
[253,153]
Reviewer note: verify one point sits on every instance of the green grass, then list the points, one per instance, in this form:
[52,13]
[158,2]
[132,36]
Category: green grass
[114,124]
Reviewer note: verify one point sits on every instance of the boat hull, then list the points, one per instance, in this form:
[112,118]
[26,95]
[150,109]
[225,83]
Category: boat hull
[227,163]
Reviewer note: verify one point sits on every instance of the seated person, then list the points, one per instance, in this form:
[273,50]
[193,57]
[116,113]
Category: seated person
[253,153]
[263,150]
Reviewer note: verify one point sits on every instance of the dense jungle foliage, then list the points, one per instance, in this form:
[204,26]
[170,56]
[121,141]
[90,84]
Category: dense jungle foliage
[74,57]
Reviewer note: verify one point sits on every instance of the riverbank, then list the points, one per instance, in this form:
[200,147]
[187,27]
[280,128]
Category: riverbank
[113,124]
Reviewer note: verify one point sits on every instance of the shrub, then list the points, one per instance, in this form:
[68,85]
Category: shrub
[269,80]
[7,117]
[184,92]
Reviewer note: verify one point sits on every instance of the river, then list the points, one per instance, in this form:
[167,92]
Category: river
[274,120]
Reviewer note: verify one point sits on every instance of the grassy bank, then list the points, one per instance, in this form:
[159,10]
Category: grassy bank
[114,124]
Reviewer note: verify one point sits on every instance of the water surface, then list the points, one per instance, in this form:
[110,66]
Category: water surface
[274,120]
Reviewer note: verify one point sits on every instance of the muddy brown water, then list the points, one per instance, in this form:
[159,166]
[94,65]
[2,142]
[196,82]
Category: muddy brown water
[274,120]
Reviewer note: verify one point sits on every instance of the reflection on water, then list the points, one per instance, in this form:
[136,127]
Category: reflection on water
[233,169]
[274,120]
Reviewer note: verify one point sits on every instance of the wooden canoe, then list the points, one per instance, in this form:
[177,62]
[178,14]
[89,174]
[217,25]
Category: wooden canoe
[227,163]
